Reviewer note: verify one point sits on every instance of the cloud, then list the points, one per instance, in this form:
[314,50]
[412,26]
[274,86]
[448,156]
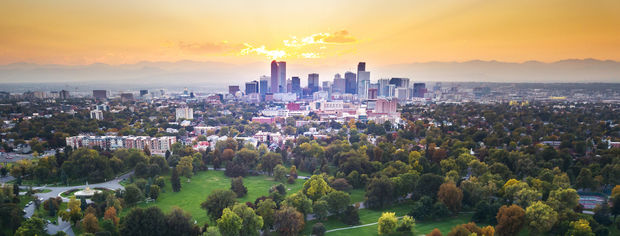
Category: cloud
[209,47]
[312,46]
[273,54]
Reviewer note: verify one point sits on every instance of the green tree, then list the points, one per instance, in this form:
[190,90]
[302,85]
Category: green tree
[185,167]
[252,222]
[406,225]
[179,222]
[585,179]
[236,185]
[154,192]
[32,226]
[133,194]
[316,187]
[230,223]
[337,201]
[143,222]
[379,193]
[175,180]
[74,213]
[300,202]
[266,209]
[540,217]
[217,201]
[387,223]
[320,209]
[279,173]
[580,227]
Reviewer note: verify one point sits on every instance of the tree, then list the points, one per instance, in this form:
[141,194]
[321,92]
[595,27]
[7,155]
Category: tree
[154,192]
[487,231]
[406,225]
[269,161]
[230,223]
[236,185]
[318,229]
[601,214]
[316,187]
[185,167]
[352,214]
[580,227]
[212,231]
[90,223]
[293,171]
[341,184]
[279,173]
[252,222]
[380,192]
[300,202]
[435,232]
[74,213]
[563,198]
[450,195]
[288,221]
[132,194]
[387,223]
[179,222]
[430,185]
[337,201]
[540,217]
[32,226]
[266,209]
[143,222]
[175,180]
[585,179]
[510,220]
[320,209]
[217,201]
[110,214]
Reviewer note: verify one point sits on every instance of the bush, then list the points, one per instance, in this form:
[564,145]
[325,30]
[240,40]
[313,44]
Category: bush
[318,229]
[236,185]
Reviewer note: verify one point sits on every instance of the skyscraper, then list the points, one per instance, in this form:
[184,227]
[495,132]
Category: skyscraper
[282,76]
[400,82]
[313,82]
[419,89]
[363,80]
[274,77]
[264,85]
[383,87]
[350,83]
[251,87]
[361,66]
[339,84]
[296,85]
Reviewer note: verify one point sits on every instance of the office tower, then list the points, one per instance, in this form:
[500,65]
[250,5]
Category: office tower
[383,87]
[313,82]
[101,94]
[126,97]
[419,89]
[64,94]
[251,87]
[232,89]
[185,91]
[361,66]
[437,86]
[289,85]
[296,85]
[275,74]
[350,83]
[391,90]
[339,84]
[327,87]
[264,85]
[282,76]
[143,92]
[363,82]
[400,82]
[402,94]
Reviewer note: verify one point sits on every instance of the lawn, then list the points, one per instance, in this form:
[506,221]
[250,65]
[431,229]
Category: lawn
[368,216]
[196,191]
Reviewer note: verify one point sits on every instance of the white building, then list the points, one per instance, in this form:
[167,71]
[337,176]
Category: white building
[96,114]
[185,113]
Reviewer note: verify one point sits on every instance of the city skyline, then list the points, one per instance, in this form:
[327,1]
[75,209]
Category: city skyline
[241,32]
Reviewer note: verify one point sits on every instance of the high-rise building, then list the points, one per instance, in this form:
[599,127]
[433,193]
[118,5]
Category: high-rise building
[282,76]
[64,94]
[143,92]
[327,87]
[96,114]
[361,66]
[232,89]
[289,85]
[251,87]
[400,82]
[383,87]
[126,97]
[296,85]
[419,89]
[313,82]
[264,85]
[185,113]
[339,84]
[275,74]
[350,83]
[372,93]
[100,94]
[363,83]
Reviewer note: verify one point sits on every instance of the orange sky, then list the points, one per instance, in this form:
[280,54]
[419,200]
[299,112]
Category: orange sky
[314,32]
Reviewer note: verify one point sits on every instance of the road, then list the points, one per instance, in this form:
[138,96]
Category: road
[13,157]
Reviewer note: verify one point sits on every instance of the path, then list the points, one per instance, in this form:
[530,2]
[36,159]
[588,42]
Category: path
[357,226]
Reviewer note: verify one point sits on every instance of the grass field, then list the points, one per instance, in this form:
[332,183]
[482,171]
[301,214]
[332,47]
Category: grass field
[368,216]
[196,191]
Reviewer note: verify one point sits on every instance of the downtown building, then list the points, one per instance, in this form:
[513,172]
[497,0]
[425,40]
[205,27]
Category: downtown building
[157,145]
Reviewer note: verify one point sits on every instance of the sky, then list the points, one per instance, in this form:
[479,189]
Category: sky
[317,32]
